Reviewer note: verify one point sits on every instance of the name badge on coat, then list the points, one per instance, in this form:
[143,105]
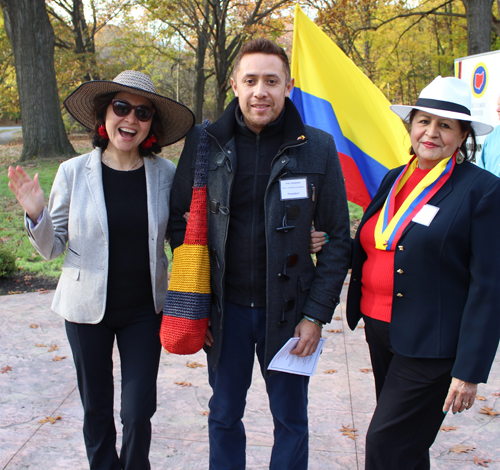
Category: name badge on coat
[293,188]
[425,215]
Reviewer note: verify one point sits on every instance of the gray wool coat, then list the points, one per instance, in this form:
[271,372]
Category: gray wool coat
[76,219]
[311,290]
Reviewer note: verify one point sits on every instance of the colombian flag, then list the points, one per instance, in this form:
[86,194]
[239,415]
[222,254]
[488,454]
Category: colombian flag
[332,94]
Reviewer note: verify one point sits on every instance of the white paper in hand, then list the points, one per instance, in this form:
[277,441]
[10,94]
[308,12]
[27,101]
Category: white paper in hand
[286,362]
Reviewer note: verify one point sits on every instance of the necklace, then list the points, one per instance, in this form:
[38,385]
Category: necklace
[105,160]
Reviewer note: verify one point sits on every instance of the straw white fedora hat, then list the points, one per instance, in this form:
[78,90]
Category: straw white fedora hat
[447,97]
[175,118]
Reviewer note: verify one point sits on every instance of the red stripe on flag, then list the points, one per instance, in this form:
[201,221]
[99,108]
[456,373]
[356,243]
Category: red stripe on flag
[354,183]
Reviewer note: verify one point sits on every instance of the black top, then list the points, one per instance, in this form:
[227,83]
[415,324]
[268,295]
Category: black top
[246,240]
[129,277]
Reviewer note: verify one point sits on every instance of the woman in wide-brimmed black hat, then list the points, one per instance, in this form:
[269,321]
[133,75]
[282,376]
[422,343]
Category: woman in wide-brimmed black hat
[109,211]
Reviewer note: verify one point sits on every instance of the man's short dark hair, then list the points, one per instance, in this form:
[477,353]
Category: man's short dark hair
[263,46]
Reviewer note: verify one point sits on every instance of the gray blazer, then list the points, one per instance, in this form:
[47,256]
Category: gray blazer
[77,218]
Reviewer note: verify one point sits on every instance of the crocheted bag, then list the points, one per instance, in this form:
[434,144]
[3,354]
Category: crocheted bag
[187,304]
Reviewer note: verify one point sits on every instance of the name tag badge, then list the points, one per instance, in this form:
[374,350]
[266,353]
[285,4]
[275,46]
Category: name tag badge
[426,215]
[293,188]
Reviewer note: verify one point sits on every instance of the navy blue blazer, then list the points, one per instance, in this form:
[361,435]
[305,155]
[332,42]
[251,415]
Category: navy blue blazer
[446,275]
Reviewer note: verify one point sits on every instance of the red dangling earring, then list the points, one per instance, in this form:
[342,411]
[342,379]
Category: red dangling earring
[102,132]
[149,142]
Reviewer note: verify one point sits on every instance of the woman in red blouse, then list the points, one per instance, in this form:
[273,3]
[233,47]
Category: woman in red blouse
[424,278]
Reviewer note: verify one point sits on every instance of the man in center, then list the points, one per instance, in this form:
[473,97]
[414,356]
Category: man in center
[270,179]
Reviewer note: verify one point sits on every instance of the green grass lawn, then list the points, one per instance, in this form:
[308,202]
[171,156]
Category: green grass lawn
[12,231]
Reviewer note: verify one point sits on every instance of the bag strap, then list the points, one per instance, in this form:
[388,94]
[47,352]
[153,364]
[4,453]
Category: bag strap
[201,168]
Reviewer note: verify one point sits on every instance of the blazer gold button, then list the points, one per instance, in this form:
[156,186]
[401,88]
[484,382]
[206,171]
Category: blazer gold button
[400,271]
[399,294]
[401,248]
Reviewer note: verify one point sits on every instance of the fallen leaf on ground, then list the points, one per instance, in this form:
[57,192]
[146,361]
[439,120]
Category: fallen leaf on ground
[205,413]
[480,398]
[349,432]
[34,326]
[461,449]
[166,352]
[486,410]
[335,331]
[194,365]
[496,394]
[183,384]
[27,283]
[366,370]
[448,428]
[28,277]
[360,326]
[53,348]
[42,291]
[6,369]
[40,345]
[481,462]
[50,419]
[337,318]
[57,358]
[330,371]
[12,292]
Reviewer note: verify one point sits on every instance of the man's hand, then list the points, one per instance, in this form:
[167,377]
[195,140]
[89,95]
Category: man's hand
[309,334]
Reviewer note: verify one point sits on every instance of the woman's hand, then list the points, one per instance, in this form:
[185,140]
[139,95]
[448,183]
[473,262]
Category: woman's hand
[27,191]
[209,339]
[317,240]
[461,396]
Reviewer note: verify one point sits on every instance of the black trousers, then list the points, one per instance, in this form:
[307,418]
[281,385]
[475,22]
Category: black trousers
[137,336]
[410,398]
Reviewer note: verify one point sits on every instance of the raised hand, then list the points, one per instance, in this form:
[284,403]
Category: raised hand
[28,191]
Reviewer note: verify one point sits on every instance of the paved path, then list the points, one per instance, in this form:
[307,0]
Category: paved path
[7,134]
[38,387]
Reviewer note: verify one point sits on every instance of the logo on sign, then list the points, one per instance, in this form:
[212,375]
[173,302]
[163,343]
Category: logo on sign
[479,80]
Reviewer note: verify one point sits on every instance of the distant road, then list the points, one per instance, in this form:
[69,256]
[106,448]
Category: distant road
[7,133]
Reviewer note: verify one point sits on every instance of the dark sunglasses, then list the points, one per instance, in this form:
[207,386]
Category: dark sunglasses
[122,108]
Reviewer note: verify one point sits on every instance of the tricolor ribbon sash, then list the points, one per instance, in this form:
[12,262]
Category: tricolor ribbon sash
[391,225]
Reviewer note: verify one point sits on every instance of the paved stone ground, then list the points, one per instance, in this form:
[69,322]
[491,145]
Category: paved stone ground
[38,387]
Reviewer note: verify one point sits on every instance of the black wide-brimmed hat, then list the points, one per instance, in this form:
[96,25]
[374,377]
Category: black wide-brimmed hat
[176,119]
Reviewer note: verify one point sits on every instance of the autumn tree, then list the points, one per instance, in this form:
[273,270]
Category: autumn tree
[479,22]
[9,102]
[32,40]
[76,35]
[221,27]
[191,21]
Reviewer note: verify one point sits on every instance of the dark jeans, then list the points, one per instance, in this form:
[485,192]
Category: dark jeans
[410,398]
[244,333]
[137,336]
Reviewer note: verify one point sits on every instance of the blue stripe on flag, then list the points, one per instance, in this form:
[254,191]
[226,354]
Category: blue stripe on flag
[319,113]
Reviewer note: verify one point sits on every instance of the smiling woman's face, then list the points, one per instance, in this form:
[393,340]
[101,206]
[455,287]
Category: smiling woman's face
[434,138]
[126,133]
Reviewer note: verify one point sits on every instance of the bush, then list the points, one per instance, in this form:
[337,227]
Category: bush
[7,263]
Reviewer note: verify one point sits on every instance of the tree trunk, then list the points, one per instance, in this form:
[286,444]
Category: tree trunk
[32,39]
[479,19]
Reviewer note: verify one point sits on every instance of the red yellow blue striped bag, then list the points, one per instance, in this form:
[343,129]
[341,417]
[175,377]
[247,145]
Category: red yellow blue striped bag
[187,304]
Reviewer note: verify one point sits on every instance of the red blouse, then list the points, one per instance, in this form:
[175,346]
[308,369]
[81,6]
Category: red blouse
[377,279]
